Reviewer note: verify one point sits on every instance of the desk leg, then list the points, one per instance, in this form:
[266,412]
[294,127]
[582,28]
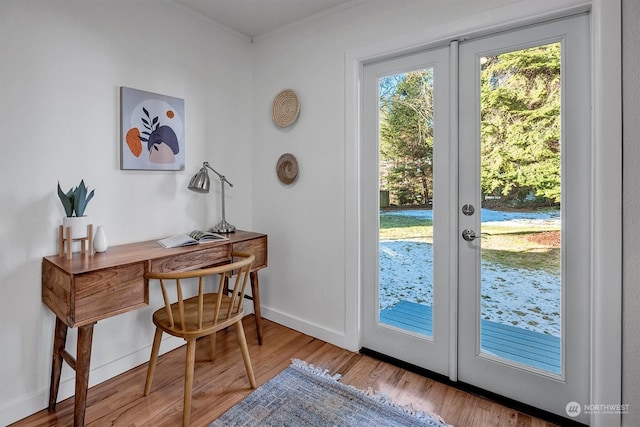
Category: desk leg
[255,294]
[83,359]
[82,363]
[59,341]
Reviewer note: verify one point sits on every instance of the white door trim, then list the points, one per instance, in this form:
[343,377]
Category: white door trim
[606,327]
[606,315]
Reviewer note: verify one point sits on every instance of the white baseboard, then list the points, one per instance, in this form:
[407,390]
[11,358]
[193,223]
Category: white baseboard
[334,337]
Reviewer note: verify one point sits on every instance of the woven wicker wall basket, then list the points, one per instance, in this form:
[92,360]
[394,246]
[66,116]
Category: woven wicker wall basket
[286,107]
[287,168]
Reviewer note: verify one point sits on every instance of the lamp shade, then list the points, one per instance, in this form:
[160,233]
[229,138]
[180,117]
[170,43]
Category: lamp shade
[200,181]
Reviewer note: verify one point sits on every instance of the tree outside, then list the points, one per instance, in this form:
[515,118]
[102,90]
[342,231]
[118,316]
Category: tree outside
[520,131]
[406,137]
[520,126]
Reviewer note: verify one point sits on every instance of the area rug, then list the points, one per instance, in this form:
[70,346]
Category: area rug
[303,395]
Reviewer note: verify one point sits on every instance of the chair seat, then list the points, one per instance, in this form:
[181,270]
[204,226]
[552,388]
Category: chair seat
[191,329]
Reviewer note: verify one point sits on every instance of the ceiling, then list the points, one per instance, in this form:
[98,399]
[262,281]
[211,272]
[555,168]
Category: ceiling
[255,18]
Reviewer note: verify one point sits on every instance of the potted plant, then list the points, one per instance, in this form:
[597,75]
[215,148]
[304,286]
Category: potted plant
[75,202]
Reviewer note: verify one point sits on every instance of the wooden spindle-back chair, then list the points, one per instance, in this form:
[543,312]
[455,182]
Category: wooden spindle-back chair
[201,315]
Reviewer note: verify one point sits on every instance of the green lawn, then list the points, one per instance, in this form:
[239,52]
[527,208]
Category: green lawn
[506,245]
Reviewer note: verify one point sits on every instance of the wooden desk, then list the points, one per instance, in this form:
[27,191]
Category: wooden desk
[86,289]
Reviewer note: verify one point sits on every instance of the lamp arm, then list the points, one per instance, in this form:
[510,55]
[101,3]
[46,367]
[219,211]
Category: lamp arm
[222,177]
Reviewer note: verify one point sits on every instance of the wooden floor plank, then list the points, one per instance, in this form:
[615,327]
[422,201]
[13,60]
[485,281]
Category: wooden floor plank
[221,384]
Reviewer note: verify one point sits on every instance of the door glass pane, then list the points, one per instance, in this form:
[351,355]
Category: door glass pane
[521,315]
[406,195]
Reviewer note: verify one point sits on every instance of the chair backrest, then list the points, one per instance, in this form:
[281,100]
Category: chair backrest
[234,275]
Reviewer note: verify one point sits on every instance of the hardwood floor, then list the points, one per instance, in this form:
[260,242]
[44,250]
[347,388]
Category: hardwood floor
[219,385]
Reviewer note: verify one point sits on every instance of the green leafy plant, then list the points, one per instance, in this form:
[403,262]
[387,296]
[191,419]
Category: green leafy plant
[75,200]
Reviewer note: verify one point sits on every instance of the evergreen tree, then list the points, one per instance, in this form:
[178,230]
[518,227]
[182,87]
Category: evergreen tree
[520,126]
[406,135]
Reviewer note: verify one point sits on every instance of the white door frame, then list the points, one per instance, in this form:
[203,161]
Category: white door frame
[606,323]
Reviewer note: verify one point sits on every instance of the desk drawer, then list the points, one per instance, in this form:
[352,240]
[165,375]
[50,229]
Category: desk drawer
[105,293]
[192,260]
[257,247]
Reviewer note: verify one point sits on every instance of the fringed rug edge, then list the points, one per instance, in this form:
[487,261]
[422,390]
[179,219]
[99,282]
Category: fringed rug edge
[377,396]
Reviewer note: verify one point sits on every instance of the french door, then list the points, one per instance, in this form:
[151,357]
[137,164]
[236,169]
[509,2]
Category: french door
[477,183]
[423,270]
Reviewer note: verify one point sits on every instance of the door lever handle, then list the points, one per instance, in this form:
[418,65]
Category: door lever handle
[470,235]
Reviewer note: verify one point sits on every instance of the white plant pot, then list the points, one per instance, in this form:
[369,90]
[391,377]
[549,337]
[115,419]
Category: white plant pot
[78,226]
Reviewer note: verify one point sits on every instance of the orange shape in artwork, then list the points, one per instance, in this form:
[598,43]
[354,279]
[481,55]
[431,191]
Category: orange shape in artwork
[133,141]
[170,114]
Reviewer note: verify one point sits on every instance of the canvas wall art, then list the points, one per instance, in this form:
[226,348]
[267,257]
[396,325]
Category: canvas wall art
[152,127]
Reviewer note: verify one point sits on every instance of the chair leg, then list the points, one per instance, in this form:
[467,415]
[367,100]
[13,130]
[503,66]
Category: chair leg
[152,361]
[212,337]
[188,382]
[242,341]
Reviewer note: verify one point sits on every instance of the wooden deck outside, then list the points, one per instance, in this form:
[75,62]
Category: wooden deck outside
[530,348]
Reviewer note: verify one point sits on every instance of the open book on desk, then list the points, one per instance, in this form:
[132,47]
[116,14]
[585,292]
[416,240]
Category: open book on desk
[194,238]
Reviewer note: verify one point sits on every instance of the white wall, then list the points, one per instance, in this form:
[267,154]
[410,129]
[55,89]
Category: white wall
[61,66]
